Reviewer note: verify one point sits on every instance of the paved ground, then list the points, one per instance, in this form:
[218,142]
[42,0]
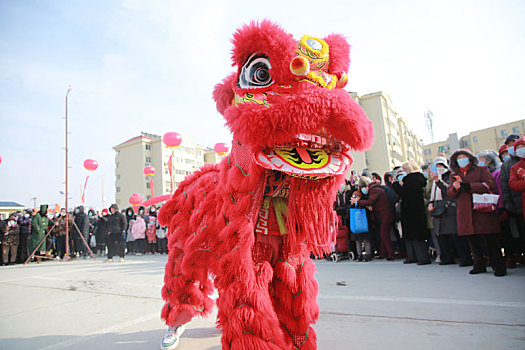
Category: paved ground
[384,305]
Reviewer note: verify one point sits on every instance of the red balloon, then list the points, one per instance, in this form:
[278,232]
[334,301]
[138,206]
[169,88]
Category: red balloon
[90,164]
[221,149]
[172,139]
[149,171]
[0,159]
[135,199]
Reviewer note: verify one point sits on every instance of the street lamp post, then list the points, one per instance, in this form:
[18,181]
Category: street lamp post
[67,179]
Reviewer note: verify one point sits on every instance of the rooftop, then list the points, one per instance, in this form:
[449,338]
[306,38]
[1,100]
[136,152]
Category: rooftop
[10,205]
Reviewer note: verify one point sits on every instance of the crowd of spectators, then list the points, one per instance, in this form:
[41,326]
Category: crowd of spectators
[106,233]
[433,212]
[419,213]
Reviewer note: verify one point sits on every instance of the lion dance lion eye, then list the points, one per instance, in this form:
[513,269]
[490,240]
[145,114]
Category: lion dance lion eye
[255,73]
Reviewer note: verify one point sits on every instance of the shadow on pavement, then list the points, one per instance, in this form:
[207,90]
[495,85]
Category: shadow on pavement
[146,340]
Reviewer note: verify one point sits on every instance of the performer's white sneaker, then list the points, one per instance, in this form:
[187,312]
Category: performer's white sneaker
[171,338]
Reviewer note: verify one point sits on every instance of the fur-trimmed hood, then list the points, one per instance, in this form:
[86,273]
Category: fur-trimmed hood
[454,159]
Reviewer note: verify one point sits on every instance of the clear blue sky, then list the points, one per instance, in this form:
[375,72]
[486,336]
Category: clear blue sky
[151,66]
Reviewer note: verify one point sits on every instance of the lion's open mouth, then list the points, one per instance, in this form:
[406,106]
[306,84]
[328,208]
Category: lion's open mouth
[309,156]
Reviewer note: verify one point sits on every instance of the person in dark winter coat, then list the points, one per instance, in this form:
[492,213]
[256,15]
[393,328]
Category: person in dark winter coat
[10,240]
[82,223]
[445,225]
[382,216]
[363,239]
[61,230]
[468,178]
[101,232]
[517,183]
[413,215]
[512,203]
[93,219]
[116,227]
[24,223]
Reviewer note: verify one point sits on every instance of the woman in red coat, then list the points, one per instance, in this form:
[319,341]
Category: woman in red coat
[468,178]
[517,172]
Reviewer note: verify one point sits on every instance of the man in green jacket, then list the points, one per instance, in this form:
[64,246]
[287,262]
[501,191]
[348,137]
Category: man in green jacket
[39,228]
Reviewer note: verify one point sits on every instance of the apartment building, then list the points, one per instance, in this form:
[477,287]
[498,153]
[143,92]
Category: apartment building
[476,141]
[148,149]
[394,141]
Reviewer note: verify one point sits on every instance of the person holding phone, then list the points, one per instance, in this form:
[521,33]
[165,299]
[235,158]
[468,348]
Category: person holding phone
[444,215]
[479,227]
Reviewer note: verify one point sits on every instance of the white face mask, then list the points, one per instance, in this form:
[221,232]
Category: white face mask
[520,152]
[441,171]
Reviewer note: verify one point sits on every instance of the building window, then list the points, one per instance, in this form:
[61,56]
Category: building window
[147,185]
[148,147]
[118,176]
[116,164]
[428,152]
[515,130]
[148,160]
[464,143]
[166,171]
[118,189]
[475,139]
[504,133]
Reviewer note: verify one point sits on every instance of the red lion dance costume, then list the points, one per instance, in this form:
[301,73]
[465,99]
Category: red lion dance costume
[247,226]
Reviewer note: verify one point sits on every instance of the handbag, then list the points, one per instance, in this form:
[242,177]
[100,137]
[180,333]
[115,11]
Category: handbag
[485,202]
[358,220]
[440,209]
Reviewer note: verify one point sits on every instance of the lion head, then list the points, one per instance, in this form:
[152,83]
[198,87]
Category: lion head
[286,102]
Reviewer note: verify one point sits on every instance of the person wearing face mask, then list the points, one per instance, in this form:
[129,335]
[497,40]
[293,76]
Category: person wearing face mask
[92,220]
[116,227]
[504,153]
[10,241]
[151,231]
[39,228]
[24,223]
[516,183]
[82,228]
[510,227]
[444,215]
[480,228]
[60,232]
[382,216]
[512,204]
[138,230]
[130,241]
[101,231]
